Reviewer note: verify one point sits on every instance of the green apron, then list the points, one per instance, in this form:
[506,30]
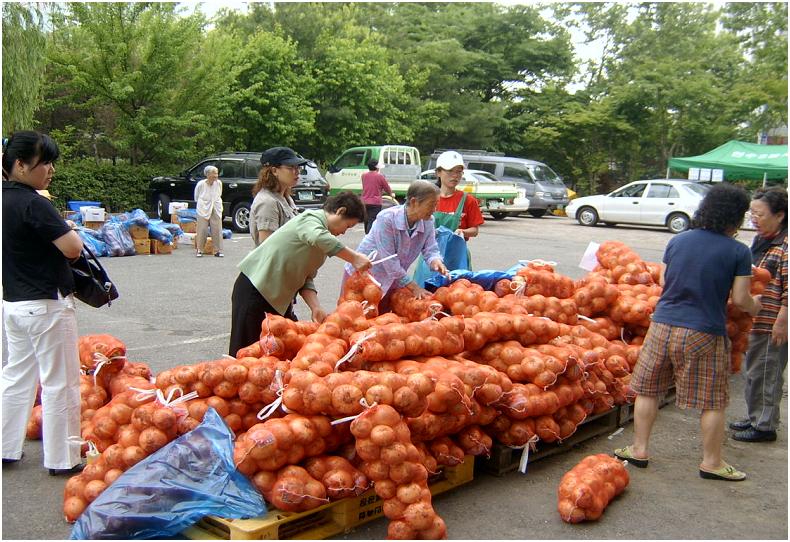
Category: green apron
[452,221]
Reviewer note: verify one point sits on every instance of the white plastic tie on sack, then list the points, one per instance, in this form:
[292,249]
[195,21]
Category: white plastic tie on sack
[102,360]
[620,430]
[271,408]
[518,287]
[435,308]
[169,401]
[529,445]
[364,404]
[93,454]
[142,394]
[354,349]
[582,317]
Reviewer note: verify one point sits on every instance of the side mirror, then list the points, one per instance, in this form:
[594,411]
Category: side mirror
[184,174]
[333,168]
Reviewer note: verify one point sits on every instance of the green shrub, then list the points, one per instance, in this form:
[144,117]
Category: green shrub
[118,187]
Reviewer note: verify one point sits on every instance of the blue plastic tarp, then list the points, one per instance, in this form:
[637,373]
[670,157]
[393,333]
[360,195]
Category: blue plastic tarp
[191,477]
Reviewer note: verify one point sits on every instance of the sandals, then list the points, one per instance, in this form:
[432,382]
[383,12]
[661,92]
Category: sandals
[728,473]
[626,454]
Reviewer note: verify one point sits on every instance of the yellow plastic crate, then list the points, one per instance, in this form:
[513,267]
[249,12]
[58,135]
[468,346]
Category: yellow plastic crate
[322,522]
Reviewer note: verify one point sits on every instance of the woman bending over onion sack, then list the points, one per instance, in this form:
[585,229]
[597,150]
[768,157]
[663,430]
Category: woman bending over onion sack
[38,307]
[407,231]
[286,264]
[687,339]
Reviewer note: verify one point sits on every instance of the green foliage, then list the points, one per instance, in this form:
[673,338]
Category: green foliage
[23,65]
[147,84]
[119,187]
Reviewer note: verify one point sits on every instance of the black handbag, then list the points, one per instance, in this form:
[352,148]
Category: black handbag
[92,285]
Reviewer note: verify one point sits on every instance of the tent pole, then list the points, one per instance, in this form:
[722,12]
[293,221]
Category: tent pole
[765,178]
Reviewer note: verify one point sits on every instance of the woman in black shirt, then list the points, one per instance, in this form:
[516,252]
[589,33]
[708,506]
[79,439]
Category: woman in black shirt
[38,307]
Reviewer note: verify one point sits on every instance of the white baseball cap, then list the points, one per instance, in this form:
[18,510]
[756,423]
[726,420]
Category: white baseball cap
[449,159]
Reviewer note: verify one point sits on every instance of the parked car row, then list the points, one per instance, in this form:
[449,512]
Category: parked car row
[504,186]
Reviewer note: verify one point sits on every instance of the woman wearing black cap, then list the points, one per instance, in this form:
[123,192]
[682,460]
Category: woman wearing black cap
[273,205]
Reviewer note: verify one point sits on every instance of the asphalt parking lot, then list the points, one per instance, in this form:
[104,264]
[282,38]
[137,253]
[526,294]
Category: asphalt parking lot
[175,309]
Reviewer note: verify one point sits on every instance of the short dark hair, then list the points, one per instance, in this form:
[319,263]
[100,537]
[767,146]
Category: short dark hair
[353,204]
[722,209]
[31,147]
[373,164]
[776,199]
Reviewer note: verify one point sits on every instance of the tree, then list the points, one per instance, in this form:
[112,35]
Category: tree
[147,85]
[24,48]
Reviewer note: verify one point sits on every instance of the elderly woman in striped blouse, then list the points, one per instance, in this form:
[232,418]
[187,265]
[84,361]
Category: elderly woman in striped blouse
[403,233]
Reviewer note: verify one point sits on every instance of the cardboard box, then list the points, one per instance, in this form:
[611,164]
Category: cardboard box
[175,206]
[94,225]
[93,214]
[189,227]
[175,241]
[158,247]
[142,246]
[208,248]
[138,232]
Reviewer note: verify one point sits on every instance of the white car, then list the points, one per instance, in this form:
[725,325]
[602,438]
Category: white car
[656,202]
[484,186]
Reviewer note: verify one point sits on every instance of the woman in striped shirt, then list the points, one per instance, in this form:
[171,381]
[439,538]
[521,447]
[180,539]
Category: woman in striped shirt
[766,358]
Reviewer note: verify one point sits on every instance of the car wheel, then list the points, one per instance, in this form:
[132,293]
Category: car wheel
[498,215]
[678,222]
[240,217]
[537,213]
[587,216]
[162,207]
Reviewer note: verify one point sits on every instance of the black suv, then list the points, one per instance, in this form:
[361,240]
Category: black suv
[238,172]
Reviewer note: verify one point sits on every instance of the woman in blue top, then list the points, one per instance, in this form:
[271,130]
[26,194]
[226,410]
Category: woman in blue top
[687,339]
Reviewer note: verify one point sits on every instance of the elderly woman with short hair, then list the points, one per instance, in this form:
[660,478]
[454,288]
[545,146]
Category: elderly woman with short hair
[208,200]
[405,230]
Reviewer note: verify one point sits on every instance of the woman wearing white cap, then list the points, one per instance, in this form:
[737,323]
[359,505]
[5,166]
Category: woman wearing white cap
[455,210]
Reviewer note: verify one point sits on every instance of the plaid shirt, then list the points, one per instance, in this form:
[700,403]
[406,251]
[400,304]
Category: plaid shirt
[771,255]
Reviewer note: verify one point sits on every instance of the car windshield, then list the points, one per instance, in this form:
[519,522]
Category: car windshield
[544,174]
[699,189]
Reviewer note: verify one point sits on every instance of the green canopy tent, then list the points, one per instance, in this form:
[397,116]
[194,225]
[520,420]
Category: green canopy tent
[739,160]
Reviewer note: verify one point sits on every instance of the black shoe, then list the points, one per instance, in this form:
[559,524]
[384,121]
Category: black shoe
[76,469]
[741,425]
[754,435]
[14,460]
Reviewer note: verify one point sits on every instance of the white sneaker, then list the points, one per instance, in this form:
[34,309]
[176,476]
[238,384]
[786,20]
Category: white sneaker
[199,254]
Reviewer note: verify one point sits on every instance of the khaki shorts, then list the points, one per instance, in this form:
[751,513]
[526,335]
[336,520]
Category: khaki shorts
[698,363]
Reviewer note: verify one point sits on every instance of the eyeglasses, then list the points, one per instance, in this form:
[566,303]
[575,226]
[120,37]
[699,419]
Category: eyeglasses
[292,168]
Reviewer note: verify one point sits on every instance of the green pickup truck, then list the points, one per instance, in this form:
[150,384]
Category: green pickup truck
[401,165]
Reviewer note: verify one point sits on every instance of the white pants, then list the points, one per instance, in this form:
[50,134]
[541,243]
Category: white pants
[42,346]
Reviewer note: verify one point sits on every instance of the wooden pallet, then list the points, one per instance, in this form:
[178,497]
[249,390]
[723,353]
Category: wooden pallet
[626,413]
[328,520]
[504,459]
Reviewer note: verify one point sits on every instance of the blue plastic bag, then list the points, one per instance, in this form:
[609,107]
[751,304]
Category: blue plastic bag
[119,242]
[174,229]
[136,217]
[93,240]
[157,230]
[227,234]
[187,215]
[487,278]
[452,247]
[192,477]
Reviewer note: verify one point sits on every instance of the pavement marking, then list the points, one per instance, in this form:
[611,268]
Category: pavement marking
[188,341]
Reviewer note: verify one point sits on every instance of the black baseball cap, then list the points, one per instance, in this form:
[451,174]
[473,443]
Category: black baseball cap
[282,156]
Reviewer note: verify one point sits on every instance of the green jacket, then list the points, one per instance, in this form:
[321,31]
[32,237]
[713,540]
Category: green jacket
[288,260]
